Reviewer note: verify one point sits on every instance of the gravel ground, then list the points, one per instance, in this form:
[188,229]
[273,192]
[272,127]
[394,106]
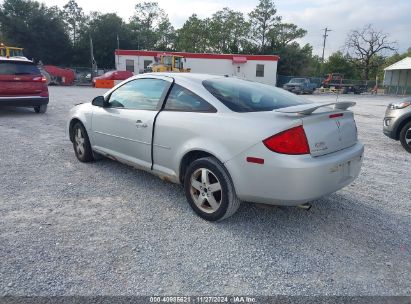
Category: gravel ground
[68,228]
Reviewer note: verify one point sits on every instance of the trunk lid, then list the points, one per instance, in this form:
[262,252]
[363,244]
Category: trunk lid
[328,130]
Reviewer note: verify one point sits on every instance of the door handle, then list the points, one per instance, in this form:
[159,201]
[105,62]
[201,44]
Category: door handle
[140,124]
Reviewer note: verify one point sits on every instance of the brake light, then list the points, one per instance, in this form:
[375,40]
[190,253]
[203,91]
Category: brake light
[292,141]
[336,115]
[40,79]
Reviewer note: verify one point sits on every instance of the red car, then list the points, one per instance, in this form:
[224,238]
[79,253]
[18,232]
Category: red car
[114,75]
[22,85]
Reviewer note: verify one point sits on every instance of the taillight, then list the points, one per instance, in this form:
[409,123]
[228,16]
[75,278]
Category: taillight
[292,141]
[40,79]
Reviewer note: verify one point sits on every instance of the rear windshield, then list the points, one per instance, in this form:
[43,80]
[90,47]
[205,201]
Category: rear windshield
[247,96]
[18,68]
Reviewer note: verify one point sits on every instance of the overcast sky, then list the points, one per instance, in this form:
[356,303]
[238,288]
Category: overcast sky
[341,16]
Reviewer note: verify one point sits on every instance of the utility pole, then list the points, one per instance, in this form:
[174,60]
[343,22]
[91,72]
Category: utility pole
[93,61]
[326,30]
[118,51]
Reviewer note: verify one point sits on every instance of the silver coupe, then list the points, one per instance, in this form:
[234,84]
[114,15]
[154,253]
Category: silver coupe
[225,139]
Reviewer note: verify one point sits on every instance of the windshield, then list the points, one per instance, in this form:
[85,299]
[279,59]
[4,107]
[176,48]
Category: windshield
[18,68]
[247,96]
[297,80]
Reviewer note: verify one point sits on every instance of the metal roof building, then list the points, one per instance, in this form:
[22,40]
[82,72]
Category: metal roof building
[397,77]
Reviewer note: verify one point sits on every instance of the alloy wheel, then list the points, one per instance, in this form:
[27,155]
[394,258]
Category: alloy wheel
[79,141]
[408,137]
[206,190]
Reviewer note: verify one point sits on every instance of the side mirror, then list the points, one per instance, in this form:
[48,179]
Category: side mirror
[99,101]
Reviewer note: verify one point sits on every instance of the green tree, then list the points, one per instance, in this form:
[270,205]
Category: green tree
[263,19]
[103,29]
[284,33]
[229,31]
[194,36]
[150,26]
[74,17]
[340,63]
[295,60]
[166,36]
[37,28]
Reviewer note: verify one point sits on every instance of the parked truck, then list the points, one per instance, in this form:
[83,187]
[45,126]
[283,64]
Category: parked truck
[300,86]
[337,81]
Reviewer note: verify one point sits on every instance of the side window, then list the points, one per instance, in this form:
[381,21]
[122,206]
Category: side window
[259,72]
[139,94]
[183,100]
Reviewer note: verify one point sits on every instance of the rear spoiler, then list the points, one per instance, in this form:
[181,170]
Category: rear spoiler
[309,108]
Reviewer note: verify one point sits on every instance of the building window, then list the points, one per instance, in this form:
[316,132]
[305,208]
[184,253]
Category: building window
[129,65]
[259,72]
[147,63]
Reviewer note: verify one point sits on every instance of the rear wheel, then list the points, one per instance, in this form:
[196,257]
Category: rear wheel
[40,109]
[209,190]
[405,137]
[81,143]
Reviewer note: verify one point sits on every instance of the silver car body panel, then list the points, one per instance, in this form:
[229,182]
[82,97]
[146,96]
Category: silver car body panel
[231,137]
[394,119]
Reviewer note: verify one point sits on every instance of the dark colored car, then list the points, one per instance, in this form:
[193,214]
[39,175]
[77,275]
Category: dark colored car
[22,84]
[397,122]
[114,75]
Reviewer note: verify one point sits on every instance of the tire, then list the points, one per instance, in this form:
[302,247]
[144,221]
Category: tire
[208,204]
[81,144]
[405,137]
[40,109]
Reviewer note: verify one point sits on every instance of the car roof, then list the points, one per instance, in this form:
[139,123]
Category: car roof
[186,77]
[15,59]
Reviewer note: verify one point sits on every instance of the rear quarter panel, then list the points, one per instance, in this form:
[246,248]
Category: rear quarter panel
[223,135]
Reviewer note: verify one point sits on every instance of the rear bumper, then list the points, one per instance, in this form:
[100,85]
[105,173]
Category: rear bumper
[293,179]
[29,101]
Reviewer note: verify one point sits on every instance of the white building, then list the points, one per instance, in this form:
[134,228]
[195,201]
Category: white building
[397,77]
[261,68]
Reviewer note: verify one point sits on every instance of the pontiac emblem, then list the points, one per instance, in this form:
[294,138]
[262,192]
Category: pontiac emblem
[337,122]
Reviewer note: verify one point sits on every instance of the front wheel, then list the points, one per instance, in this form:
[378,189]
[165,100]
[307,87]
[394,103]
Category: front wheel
[40,109]
[405,137]
[209,190]
[81,144]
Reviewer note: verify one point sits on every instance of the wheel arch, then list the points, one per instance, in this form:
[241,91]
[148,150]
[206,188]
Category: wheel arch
[73,121]
[401,124]
[191,156]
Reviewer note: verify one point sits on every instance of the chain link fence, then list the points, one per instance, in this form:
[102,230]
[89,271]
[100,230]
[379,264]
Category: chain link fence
[366,86]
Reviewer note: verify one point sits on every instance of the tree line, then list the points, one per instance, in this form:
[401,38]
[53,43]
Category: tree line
[62,37]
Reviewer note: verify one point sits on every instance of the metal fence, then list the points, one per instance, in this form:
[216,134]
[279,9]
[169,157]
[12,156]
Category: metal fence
[83,74]
[397,90]
[367,85]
